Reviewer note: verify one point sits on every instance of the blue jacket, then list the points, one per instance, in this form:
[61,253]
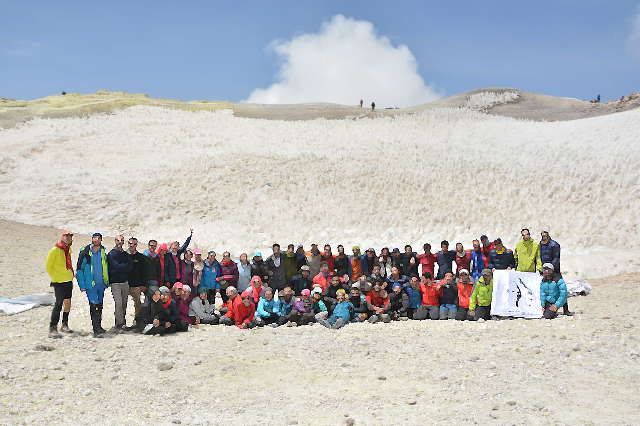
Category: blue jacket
[120,264]
[265,305]
[477,264]
[170,270]
[343,310]
[550,253]
[445,262]
[283,307]
[210,273]
[415,297]
[553,292]
[173,311]
[501,261]
[84,274]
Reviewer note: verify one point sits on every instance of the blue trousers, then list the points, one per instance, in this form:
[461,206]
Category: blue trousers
[96,294]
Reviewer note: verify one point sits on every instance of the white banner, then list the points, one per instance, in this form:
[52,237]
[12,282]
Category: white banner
[516,294]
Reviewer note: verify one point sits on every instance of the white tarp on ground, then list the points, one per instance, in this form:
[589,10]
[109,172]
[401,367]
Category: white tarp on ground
[516,294]
[24,303]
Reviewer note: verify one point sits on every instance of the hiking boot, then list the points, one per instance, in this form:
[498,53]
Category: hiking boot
[53,333]
[97,335]
[569,313]
[65,329]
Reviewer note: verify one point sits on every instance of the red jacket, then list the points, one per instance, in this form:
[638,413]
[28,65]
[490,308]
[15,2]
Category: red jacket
[464,294]
[376,300]
[256,293]
[430,294]
[330,261]
[243,314]
[463,262]
[428,262]
[322,281]
[229,306]
[486,250]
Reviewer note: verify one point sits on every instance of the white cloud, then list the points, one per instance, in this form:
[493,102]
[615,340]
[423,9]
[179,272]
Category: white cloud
[344,62]
[634,35]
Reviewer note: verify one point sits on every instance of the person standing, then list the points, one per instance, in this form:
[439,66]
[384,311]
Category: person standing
[478,261]
[445,260]
[172,269]
[229,272]
[361,102]
[550,251]
[341,262]
[290,263]
[314,258]
[244,273]
[275,264]
[136,278]
[373,106]
[409,261]
[428,260]
[120,265]
[462,259]
[527,254]
[500,257]
[327,256]
[152,265]
[93,279]
[60,269]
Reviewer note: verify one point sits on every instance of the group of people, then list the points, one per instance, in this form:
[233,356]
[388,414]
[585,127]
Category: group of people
[174,287]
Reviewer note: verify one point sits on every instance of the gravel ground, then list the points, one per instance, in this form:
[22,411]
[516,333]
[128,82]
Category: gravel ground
[572,370]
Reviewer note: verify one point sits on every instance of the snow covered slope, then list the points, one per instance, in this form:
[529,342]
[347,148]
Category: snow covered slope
[246,183]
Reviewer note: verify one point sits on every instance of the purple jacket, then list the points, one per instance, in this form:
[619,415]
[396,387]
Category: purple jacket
[302,306]
[230,273]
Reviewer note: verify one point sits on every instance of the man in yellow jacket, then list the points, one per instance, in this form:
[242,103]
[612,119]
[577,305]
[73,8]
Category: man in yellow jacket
[60,269]
[527,254]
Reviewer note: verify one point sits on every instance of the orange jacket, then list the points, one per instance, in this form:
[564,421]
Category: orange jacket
[430,294]
[464,293]
[322,281]
[356,268]
[229,306]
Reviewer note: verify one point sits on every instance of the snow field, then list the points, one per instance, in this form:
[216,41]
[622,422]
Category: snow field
[245,183]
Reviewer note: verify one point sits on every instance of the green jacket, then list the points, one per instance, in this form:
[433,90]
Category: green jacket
[482,293]
[290,266]
[527,255]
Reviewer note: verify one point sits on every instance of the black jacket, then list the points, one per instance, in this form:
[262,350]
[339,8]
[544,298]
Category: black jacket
[342,265]
[170,270]
[120,264]
[445,261]
[137,276]
[298,283]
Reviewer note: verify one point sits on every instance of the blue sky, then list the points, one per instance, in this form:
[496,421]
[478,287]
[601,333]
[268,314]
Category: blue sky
[219,50]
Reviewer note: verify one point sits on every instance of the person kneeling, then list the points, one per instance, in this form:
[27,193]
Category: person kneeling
[553,292]
[341,312]
[265,314]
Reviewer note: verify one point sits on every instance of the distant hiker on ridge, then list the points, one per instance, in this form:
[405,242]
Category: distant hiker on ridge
[373,106]
[361,102]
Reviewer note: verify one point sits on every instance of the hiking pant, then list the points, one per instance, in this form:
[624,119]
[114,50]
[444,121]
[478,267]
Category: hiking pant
[120,293]
[463,314]
[283,319]
[211,321]
[62,292]
[226,321]
[379,317]
[548,313]
[448,311]
[96,294]
[301,318]
[483,312]
[135,295]
[425,311]
[334,322]
[271,319]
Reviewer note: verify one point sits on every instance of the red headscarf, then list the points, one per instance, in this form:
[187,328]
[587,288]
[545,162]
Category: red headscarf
[67,254]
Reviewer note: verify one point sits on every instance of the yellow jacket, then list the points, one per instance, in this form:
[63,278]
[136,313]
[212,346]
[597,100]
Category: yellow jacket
[57,266]
[527,255]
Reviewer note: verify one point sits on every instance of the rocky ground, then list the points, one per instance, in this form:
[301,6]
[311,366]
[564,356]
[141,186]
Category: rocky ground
[572,370]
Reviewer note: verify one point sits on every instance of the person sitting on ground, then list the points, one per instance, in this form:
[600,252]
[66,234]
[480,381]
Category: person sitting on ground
[183,308]
[244,311]
[226,310]
[378,304]
[415,296]
[398,303]
[465,288]
[176,291]
[430,307]
[265,314]
[256,289]
[323,277]
[462,259]
[527,254]
[553,291]
[448,296]
[329,295]
[360,305]
[397,277]
[284,305]
[320,311]
[445,260]
[154,318]
[341,314]
[201,311]
[481,297]
[171,305]
[500,258]
[302,310]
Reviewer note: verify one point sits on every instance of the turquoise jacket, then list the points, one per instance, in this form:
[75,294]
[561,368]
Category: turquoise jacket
[265,305]
[343,310]
[553,292]
[84,274]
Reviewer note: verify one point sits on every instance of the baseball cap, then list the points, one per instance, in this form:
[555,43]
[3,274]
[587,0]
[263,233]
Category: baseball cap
[304,268]
[396,250]
[547,266]
[487,271]
[96,234]
[317,290]
[164,289]
[464,271]
[257,254]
